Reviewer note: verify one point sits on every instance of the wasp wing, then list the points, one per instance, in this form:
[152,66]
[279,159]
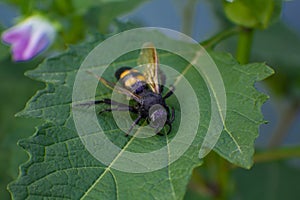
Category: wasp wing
[113,86]
[148,58]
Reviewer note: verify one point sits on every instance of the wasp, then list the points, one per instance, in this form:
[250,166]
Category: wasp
[145,89]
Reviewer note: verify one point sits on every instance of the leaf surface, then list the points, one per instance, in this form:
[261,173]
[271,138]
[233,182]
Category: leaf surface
[61,167]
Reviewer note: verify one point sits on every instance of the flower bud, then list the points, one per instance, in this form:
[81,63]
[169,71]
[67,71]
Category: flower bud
[29,38]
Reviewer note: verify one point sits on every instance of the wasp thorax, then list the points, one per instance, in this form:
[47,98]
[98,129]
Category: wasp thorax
[158,117]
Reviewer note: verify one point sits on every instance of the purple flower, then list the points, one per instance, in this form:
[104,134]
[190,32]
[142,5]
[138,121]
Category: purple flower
[29,38]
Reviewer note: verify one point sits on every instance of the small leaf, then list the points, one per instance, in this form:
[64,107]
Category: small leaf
[61,167]
[253,13]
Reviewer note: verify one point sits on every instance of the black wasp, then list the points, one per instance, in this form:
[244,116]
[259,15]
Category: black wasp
[145,89]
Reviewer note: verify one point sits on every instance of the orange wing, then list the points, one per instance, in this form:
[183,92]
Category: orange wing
[148,58]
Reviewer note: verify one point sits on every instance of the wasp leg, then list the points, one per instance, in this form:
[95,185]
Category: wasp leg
[170,92]
[172,115]
[104,101]
[170,128]
[119,108]
[136,121]
[169,122]
[162,88]
[110,102]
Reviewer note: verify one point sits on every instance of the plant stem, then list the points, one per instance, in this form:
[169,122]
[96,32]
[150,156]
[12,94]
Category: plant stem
[277,154]
[244,45]
[212,42]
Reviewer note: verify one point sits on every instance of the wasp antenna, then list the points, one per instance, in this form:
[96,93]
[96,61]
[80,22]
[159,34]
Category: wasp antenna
[102,80]
[93,74]
[89,103]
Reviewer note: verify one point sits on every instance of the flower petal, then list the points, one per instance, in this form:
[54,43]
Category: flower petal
[29,38]
[18,49]
[16,33]
[37,44]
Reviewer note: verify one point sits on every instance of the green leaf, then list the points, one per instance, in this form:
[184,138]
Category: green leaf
[253,13]
[61,167]
[243,115]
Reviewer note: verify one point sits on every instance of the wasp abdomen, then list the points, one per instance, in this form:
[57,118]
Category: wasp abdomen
[131,79]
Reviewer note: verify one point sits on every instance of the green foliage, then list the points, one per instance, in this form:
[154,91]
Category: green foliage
[15,90]
[4,51]
[243,108]
[253,13]
[269,181]
[108,12]
[3,48]
[82,7]
[61,167]
[282,55]
[76,17]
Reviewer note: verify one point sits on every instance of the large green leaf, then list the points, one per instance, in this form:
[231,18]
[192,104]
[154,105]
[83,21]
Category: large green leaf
[61,167]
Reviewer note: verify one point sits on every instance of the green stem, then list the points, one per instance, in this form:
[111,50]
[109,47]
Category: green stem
[28,8]
[244,45]
[212,42]
[277,154]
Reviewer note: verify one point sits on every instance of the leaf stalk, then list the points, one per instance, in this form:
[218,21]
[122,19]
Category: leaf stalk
[244,45]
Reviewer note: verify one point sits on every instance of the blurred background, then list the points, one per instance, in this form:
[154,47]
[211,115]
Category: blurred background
[278,46]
